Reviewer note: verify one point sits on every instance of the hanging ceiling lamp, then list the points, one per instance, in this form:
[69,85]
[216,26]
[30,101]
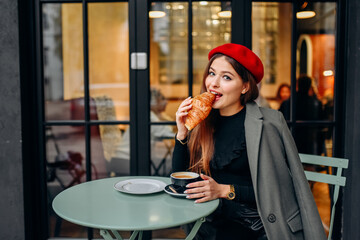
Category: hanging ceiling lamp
[306,11]
[157,10]
[225,10]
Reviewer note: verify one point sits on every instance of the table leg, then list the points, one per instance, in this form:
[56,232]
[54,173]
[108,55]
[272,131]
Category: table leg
[116,234]
[195,229]
[106,235]
[135,233]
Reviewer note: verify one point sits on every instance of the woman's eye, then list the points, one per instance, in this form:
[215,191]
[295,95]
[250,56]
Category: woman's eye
[212,73]
[227,77]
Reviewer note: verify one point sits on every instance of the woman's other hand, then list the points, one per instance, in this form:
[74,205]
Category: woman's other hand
[206,190]
[181,114]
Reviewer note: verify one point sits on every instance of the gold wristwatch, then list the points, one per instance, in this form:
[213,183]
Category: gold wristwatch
[231,194]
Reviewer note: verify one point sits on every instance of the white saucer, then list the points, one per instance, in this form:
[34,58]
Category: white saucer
[140,186]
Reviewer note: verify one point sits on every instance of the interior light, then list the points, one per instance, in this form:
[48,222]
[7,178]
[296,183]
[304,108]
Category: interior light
[157,10]
[215,22]
[156,14]
[203,3]
[305,14]
[225,10]
[306,11]
[328,73]
[224,14]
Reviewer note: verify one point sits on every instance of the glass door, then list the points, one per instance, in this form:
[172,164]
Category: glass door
[85,84]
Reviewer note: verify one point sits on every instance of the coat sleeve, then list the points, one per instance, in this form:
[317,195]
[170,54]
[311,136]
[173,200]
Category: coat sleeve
[312,225]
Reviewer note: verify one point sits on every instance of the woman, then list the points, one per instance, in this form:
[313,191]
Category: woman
[247,158]
[283,93]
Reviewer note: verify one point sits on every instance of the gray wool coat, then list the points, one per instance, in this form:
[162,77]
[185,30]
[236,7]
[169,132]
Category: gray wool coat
[284,200]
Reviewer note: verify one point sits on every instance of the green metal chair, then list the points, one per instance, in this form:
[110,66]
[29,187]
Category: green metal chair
[337,164]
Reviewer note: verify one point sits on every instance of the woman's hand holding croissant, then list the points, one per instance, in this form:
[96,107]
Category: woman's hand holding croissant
[181,114]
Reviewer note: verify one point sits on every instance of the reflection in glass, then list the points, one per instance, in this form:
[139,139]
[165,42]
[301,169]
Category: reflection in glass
[168,54]
[169,46]
[168,59]
[108,55]
[314,140]
[158,105]
[65,167]
[162,146]
[316,54]
[211,28]
[271,28]
[110,150]
[62,58]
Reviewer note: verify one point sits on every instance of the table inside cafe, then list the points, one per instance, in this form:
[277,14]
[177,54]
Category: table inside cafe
[101,204]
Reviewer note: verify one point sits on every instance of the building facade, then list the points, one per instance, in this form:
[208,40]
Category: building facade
[52,45]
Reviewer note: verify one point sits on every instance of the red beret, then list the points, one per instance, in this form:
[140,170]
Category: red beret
[244,56]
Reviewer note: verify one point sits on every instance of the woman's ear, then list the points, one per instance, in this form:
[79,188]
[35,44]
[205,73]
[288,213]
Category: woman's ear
[245,88]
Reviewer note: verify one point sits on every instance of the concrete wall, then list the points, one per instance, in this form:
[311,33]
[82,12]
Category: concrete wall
[352,130]
[11,177]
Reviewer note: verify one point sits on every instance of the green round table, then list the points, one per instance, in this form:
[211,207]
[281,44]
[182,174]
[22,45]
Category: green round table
[97,204]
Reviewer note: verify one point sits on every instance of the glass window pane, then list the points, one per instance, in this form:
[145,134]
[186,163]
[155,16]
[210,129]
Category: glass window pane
[110,150]
[65,167]
[162,146]
[62,58]
[316,59]
[271,41]
[211,28]
[109,55]
[313,140]
[168,56]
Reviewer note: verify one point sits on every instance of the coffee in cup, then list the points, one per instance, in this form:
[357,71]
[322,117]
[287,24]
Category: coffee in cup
[184,178]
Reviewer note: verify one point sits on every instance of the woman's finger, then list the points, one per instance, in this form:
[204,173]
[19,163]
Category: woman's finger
[184,109]
[196,190]
[205,177]
[201,200]
[198,184]
[182,114]
[186,102]
[196,195]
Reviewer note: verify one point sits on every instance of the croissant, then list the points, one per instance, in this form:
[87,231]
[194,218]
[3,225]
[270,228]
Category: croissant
[201,107]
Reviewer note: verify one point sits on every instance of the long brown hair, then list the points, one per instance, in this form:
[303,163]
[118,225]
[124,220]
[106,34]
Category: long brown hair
[201,140]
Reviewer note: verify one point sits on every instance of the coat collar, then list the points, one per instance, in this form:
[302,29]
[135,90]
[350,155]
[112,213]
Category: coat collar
[253,129]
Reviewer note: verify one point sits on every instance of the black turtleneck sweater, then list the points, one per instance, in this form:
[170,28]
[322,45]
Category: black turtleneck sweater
[229,164]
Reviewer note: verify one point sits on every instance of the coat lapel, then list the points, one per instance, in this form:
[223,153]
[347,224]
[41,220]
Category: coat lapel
[253,129]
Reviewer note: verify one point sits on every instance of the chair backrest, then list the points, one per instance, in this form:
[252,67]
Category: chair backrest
[337,164]
[110,135]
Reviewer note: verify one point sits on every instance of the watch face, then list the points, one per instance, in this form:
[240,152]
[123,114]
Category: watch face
[231,195]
